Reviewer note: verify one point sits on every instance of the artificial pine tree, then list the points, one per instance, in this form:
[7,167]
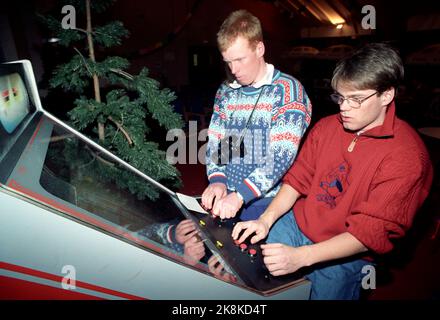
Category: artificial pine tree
[119,120]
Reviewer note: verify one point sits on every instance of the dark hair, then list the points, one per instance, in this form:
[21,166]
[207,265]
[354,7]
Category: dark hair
[375,66]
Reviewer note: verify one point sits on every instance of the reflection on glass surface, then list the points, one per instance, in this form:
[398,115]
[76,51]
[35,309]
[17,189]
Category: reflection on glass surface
[72,171]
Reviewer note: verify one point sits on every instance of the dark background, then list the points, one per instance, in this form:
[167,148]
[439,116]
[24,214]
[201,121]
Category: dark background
[166,36]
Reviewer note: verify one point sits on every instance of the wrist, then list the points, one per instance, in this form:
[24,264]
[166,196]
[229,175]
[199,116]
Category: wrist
[308,255]
[240,197]
[267,219]
[217,177]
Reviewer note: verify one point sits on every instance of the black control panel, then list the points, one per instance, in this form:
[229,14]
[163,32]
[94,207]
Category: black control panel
[245,259]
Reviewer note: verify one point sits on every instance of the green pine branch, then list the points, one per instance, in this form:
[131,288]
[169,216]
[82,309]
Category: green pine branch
[123,107]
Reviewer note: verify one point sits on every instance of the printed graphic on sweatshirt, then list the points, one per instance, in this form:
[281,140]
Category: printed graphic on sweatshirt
[334,184]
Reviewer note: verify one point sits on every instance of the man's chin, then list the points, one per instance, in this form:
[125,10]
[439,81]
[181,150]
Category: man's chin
[349,127]
[243,82]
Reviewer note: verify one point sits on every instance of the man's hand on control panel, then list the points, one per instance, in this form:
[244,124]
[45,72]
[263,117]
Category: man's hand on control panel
[260,227]
[212,194]
[228,206]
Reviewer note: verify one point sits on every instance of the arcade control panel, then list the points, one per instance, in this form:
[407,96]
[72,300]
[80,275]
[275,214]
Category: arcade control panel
[245,259]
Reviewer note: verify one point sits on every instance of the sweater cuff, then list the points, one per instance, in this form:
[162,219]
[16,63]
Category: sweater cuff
[218,177]
[248,191]
[171,234]
[376,239]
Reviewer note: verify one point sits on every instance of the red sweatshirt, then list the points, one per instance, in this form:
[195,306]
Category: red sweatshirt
[372,192]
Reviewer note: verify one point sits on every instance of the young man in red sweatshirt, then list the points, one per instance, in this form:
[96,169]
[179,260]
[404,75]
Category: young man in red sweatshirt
[356,184]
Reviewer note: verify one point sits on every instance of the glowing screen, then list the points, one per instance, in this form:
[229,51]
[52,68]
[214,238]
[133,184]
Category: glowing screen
[14,101]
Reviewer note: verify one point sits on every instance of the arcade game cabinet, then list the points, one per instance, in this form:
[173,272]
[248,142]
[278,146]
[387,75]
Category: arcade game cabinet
[68,234]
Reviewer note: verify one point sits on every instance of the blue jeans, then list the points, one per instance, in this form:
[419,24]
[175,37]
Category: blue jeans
[334,280]
[255,210]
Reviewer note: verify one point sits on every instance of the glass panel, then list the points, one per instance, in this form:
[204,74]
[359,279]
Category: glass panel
[80,174]
[72,176]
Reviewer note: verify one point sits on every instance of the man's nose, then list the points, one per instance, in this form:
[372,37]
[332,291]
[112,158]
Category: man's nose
[234,68]
[344,106]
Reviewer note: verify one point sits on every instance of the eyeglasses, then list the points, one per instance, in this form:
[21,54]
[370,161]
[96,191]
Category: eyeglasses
[354,103]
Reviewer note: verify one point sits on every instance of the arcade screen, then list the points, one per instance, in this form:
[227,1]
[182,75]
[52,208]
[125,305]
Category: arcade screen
[15,104]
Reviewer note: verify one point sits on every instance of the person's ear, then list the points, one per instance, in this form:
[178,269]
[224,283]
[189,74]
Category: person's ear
[388,96]
[260,49]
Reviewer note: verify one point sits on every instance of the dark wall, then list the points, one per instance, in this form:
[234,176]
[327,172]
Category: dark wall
[176,41]
[152,22]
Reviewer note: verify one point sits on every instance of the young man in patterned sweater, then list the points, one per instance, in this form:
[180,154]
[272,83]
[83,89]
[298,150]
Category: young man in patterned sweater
[257,124]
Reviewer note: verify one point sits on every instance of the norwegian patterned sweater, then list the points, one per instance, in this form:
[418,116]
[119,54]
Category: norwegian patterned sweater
[163,233]
[274,131]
